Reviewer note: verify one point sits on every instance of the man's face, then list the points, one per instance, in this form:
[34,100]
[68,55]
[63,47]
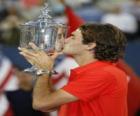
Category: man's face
[73,44]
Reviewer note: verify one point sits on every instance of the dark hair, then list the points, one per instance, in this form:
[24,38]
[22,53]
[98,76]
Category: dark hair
[110,41]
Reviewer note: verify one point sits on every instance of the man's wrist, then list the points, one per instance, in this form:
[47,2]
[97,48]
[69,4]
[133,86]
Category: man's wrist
[41,72]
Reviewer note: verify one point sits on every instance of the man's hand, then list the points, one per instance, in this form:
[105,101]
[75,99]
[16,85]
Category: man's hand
[38,57]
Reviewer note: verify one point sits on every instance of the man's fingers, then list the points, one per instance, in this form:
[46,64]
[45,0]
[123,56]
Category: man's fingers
[33,46]
[29,58]
[54,55]
[21,49]
[27,52]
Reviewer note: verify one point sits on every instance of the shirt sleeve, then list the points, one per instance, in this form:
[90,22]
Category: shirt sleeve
[89,86]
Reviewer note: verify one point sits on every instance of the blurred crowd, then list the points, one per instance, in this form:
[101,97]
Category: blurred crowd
[125,14]
[17,101]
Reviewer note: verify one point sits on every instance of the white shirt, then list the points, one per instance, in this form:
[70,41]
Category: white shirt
[64,67]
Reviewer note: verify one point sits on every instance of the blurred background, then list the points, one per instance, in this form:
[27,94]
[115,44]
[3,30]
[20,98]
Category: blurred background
[125,14]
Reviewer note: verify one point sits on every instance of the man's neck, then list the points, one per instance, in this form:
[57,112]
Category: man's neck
[84,58]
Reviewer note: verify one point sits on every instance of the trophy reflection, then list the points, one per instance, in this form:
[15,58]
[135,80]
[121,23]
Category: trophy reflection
[60,38]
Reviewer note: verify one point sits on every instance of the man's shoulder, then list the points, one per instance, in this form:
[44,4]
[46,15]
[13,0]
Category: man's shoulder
[97,72]
[103,72]
[102,69]
[113,69]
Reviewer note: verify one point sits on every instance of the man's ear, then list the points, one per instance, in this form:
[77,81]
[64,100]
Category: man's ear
[90,46]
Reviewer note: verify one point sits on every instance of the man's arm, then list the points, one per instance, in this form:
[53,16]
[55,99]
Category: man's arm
[44,99]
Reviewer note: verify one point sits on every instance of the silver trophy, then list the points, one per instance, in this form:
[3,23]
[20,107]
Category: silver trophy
[47,34]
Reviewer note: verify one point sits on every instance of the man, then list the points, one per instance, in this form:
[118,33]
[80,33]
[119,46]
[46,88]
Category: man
[134,80]
[97,87]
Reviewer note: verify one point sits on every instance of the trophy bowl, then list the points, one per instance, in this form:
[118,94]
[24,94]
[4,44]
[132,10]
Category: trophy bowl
[48,37]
